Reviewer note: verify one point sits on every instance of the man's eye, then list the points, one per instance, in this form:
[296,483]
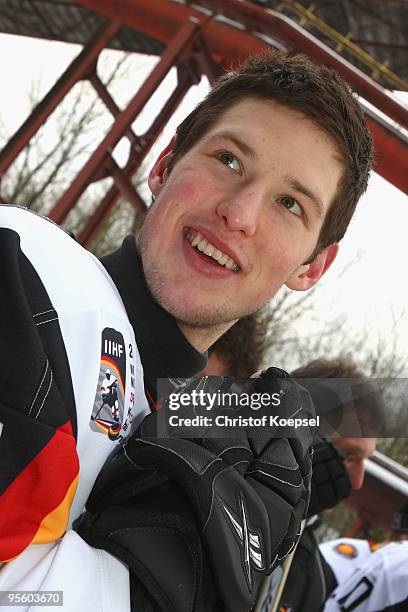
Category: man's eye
[228,159]
[292,205]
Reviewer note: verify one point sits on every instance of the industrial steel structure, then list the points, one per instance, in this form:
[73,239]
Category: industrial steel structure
[198,38]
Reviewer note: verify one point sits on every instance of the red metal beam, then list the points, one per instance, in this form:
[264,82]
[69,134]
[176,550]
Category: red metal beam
[124,183]
[185,79]
[161,18]
[226,44]
[94,224]
[77,70]
[391,155]
[111,105]
[171,55]
[210,41]
[98,218]
[207,65]
[300,39]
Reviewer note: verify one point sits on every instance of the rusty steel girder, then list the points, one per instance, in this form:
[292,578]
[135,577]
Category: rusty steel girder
[79,69]
[201,38]
[124,120]
[90,231]
[232,30]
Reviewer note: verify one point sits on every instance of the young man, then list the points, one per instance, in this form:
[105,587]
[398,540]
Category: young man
[256,184]
[254,192]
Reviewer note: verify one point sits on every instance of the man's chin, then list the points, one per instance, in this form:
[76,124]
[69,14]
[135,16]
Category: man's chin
[197,315]
[200,317]
[189,310]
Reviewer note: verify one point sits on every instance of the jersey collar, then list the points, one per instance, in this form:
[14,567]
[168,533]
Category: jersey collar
[164,350]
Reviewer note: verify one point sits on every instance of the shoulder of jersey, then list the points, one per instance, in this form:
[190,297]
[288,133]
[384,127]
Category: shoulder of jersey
[25,215]
[55,254]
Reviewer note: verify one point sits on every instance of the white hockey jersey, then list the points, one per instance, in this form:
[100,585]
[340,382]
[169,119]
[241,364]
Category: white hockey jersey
[378,584]
[52,457]
[344,555]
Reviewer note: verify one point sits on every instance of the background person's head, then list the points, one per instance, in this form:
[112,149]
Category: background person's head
[255,192]
[367,405]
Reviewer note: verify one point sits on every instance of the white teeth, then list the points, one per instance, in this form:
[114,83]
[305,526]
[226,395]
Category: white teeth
[198,241]
[223,260]
[217,255]
[208,250]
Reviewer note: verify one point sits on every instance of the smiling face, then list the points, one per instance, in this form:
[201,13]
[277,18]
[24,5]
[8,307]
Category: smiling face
[238,215]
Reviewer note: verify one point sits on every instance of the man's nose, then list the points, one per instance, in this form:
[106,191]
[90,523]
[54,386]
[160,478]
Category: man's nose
[356,473]
[242,210]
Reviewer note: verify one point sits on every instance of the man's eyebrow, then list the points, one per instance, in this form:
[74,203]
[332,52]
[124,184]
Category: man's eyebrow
[238,142]
[301,188]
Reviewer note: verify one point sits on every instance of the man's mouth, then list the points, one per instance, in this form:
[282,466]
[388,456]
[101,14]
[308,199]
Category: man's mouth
[200,243]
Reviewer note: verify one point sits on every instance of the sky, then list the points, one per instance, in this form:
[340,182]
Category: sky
[371,292]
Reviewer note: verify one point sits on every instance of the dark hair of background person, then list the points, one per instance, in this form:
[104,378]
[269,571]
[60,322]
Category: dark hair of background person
[315,91]
[367,396]
[243,346]
[341,367]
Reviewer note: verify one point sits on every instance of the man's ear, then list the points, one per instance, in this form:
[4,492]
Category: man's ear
[158,173]
[307,275]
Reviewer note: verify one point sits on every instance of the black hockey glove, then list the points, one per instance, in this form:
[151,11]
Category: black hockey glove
[330,480]
[172,508]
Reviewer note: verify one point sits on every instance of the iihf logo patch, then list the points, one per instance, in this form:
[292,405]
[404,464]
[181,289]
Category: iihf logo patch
[109,405]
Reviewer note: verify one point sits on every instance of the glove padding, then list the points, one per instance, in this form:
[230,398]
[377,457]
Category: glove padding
[237,502]
[330,480]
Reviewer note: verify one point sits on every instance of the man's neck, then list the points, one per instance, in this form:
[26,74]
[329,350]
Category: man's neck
[201,338]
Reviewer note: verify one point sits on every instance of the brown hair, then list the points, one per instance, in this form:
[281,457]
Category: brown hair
[316,91]
[242,347]
[342,367]
[367,396]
